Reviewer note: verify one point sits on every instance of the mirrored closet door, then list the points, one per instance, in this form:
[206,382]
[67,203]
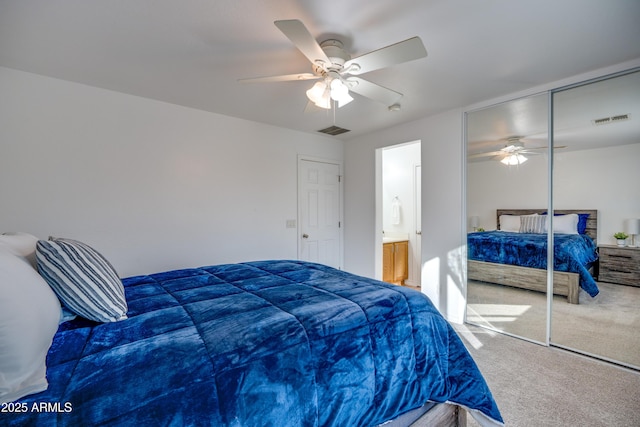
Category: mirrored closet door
[506,189]
[597,172]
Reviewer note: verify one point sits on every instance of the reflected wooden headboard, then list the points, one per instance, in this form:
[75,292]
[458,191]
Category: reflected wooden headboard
[592,221]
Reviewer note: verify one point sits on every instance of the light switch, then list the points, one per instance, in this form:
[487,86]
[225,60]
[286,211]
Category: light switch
[291,223]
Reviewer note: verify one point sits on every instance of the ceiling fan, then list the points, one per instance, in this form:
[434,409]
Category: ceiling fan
[337,72]
[513,153]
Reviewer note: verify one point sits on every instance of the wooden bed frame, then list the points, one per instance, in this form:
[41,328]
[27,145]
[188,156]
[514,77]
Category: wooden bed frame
[431,415]
[564,283]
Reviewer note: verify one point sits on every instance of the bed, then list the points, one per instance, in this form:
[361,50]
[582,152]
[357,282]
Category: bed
[269,343]
[519,259]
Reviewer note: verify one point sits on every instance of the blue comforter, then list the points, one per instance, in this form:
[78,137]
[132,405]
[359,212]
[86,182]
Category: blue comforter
[574,253]
[273,343]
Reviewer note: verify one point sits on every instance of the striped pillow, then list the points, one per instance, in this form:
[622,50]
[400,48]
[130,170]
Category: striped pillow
[82,278]
[533,224]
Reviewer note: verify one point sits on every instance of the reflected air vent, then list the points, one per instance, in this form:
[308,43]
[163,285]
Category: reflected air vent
[612,119]
[333,130]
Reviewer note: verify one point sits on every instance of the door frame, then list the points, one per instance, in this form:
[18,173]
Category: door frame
[378,217]
[417,194]
[339,163]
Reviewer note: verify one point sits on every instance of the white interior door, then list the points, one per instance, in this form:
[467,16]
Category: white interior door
[319,212]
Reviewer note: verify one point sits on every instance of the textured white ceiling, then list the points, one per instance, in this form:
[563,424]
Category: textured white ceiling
[192,52]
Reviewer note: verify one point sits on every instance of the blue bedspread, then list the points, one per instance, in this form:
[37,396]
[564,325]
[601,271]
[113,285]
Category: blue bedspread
[574,253]
[272,343]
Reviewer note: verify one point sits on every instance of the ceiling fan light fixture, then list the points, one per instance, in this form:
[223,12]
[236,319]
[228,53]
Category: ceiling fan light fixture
[319,95]
[514,160]
[344,99]
[324,101]
[340,92]
[316,91]
[337,86]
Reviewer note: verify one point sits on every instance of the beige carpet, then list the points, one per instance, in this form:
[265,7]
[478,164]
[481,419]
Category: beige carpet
[538,386]
[606,326]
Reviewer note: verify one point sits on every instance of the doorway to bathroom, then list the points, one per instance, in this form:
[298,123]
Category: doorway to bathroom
[398,214]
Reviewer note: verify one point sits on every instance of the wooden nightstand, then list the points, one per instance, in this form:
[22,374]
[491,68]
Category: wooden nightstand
[619,264]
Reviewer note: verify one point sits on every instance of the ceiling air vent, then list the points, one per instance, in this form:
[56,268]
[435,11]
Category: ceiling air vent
[620,117]
[333,130]
[612,119]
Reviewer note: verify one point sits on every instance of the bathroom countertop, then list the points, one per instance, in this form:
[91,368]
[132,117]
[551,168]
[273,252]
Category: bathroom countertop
[394,239]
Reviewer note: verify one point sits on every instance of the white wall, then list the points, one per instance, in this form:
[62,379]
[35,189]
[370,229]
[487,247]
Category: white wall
[441,138]
[605,179]
[153,186]
[492,185]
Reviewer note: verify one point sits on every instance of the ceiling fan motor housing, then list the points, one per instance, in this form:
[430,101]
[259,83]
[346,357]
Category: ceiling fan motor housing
[334,49]
[513,144]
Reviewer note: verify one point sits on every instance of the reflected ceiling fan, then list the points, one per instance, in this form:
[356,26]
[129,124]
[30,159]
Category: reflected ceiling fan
[337,72]
[513,153]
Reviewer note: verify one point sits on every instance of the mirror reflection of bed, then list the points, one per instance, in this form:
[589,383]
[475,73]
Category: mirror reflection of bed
[515,256]
[516,253]
[595,160]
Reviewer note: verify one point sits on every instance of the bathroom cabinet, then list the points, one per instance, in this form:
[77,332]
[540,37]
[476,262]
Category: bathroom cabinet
[395,262]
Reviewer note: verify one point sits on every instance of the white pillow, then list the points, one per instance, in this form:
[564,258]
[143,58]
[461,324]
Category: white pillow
[510,223]
[29,314]
[22,245]
[565,224]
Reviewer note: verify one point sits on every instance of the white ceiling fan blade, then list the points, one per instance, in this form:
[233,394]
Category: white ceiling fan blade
[531,153]
[504,153]
[283,78]
[373,91]
[544,148]
[537,151]
[398,53]
[491,153]
[303,40]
